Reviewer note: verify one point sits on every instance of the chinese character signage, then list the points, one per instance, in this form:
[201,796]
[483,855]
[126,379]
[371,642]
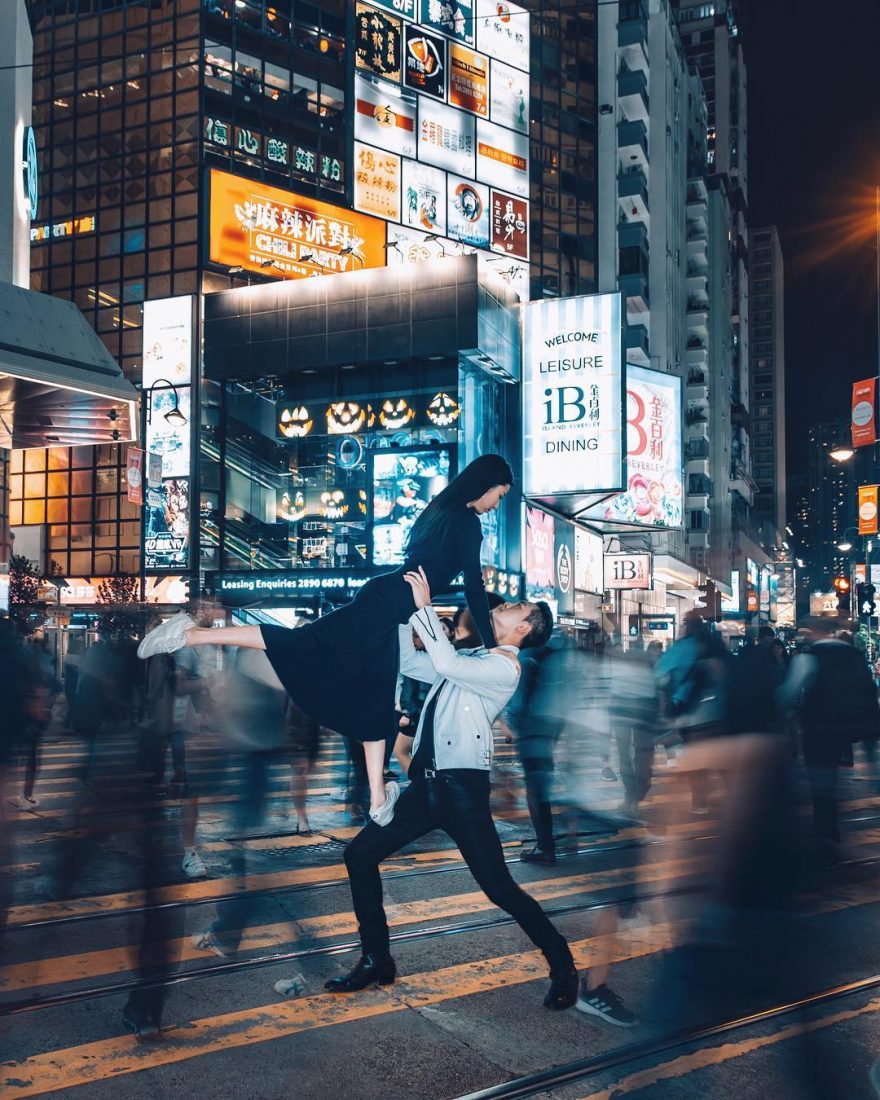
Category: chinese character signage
[864,417]
[134,475]
[503,32]
[378,42]
[167,379]
[510,225]
[654,456]
[424,68]
[510,97]
[503,158]
[276,153]
[376,182]
[251,222]
[451,17]
[384,116]
[564,568]
[424,197]
[468,204]
[625,571]
[468,80]
[446,138]
[573,396]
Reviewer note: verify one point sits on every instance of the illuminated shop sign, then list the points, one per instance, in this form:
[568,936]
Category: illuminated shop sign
[377,182]
[30,172]
[406,8]
[628,571]
[276,153]
[378,42]
[573,395]
[503,158]
[70,228]
[446,138]
[468,206]
[384,116]
[252,223]
[510,225]
[540,552]
[413,246]
[424,197]
[588,566]
[454,18]
[167,378]
[262,584]
[468,80]
[732,604]
[424,62]
[510,97]
[503,32]
[654,452]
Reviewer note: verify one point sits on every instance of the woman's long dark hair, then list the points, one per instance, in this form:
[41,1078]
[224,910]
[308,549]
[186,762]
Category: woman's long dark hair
[478,477]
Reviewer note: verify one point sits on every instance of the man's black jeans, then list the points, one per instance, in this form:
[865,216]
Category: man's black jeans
[456,801]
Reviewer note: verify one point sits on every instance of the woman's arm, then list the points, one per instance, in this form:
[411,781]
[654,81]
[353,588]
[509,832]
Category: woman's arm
[471,540]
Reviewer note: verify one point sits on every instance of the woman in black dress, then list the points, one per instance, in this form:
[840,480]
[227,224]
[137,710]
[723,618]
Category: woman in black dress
[342,668]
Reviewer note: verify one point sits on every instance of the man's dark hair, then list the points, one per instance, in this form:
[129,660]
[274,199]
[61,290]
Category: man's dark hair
[766,632]
[540,619]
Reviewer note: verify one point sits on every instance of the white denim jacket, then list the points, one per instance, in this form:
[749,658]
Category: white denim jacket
[479,684]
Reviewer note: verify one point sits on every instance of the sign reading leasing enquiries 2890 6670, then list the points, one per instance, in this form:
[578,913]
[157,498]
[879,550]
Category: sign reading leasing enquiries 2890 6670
[573,396]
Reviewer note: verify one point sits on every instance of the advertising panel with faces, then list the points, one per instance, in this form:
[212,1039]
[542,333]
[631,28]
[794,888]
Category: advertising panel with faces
[167,378]
[443,85]
[403,483]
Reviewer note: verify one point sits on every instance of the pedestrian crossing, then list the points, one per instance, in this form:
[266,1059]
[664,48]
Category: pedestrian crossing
[289,866]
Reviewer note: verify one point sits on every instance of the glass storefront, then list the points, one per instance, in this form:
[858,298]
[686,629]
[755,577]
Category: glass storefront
[330,471]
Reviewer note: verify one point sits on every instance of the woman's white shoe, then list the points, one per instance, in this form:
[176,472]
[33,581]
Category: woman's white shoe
[385,813]
[166,638]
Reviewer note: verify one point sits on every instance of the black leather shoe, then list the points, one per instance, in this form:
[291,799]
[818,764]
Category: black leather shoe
[370,970]
[563,991]
[538,855]
[144,1024]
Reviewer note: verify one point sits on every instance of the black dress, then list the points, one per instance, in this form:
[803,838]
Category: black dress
[342,668]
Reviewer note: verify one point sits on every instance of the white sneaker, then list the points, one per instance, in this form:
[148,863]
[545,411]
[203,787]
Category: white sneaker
[207,941]
[192,865]
[24,803]
[166,638]
[385,813]
[291,987]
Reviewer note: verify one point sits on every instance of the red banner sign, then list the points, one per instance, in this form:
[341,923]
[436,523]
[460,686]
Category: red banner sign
[864,412]
[868,509]
[135,476]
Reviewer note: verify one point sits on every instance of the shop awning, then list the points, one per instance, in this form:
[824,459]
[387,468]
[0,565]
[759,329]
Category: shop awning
[59,386]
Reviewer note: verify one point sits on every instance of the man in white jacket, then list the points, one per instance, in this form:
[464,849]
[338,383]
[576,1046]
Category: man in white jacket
[449,788]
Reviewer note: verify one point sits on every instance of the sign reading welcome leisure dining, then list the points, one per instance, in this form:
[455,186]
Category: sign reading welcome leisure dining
[573,396]
[440,135]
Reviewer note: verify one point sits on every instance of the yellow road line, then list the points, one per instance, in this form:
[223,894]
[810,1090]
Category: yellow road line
[114,1058]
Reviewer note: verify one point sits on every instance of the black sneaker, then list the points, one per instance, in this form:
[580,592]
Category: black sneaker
[144,1024]
[606,1005]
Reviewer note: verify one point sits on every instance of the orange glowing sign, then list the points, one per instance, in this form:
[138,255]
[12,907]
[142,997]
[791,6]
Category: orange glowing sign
[270,230]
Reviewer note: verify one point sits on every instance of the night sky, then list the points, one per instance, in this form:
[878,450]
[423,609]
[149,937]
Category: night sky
[814,159]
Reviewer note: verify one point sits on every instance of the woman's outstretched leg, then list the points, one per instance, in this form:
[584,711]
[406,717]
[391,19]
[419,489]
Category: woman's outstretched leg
[382,796]
[247,637]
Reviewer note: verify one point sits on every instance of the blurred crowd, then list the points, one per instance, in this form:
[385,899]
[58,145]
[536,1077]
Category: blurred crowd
[593,724]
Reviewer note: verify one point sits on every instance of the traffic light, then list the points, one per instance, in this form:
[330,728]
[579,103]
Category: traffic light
[842,587]
[711,601]
[865,594]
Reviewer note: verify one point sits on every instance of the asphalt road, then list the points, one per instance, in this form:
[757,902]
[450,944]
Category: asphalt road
[465,1014]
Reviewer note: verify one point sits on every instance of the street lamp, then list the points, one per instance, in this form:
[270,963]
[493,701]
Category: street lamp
[173,415]
[842,453]
[845,545]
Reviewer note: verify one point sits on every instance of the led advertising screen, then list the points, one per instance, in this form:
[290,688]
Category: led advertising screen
[403,483]
[446,137]
[503,32]
[384,116]
[252,222]
[540,553]
[503,158]
[468,207]
[168,341]
[573,396]
[166,537]
[588,576]
[654,452]
[424,197]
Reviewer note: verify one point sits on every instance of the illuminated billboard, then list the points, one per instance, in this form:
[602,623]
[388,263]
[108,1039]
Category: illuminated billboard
[378,41]
[469,80]
[503,32]
[588,565]
[510,97]
[404,482]
[377,183]
[454,18]
[424,62]
[654,455]
[503,158]
[540,554]
[384,116]
[468,208]
[573,396]
[446,137]
[625,572]
[258,227]
[424,197]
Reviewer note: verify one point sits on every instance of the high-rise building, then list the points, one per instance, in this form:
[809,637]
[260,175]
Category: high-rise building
[767,377]
[168,131]
[833,503]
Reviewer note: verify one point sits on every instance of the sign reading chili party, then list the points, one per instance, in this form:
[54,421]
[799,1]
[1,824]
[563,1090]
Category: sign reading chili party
[252,222]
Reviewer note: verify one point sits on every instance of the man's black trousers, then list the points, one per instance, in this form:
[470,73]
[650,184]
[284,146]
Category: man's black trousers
[456,801]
